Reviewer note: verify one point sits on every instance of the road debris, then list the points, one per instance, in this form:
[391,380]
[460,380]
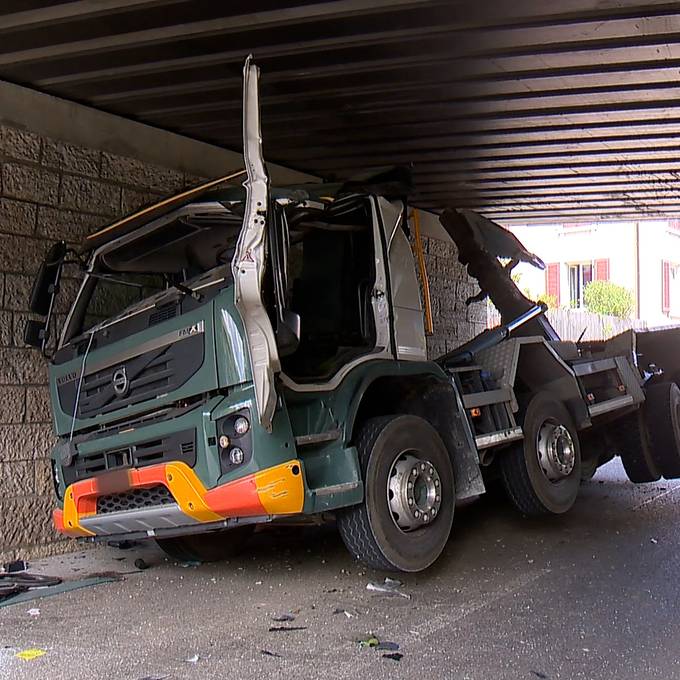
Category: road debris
[340,610]
[387,647]
[141,564]
[283,617]
[30,654]
[28,587]
[286,629]
[15,586]
[395,656]
[653,540]
[193,659]
[15,566]
[33,612]
[370,642]
[389,586]
[266,652]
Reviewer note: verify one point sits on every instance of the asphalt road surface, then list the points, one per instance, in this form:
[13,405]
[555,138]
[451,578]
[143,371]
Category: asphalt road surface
[592,595]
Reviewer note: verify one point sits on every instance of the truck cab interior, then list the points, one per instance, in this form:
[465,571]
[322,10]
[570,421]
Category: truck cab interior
[324,257]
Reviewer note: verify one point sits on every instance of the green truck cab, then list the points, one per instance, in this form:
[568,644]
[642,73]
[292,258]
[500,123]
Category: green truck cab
[242,355]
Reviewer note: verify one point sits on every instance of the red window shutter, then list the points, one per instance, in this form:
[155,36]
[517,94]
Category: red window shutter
[665,287]
[552,280]
[602,270]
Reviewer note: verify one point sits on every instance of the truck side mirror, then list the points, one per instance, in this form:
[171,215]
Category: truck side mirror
[47,279]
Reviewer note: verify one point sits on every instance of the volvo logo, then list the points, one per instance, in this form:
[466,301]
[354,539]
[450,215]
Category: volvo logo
[120,381]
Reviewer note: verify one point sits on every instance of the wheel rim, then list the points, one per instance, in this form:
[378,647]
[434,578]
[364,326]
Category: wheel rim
[556,450]
[414,492]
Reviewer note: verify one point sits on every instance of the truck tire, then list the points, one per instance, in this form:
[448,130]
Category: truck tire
[632,442]
[208,547]
[662,415]
[405,519]
[542,475]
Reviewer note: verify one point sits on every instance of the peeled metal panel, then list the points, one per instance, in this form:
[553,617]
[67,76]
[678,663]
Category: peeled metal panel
[409,329]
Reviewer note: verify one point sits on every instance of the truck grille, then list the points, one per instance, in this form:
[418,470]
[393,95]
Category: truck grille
[134,499]
[146,376]
[179,446]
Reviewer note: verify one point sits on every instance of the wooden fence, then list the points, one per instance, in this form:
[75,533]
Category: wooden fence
[570,323]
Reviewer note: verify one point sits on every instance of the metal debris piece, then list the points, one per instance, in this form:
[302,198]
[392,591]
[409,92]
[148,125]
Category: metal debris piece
[285,629]
[389,586]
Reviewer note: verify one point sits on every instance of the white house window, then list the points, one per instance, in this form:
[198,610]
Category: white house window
[671,289]
[580,275]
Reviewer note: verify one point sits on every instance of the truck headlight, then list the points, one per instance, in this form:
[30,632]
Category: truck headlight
[236,456]
[234,439]
[241,426]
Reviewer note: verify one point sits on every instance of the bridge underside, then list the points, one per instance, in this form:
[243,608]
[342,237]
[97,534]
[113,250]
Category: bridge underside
[520,109]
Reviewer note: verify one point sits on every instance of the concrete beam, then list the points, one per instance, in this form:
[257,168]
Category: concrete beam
[44,114]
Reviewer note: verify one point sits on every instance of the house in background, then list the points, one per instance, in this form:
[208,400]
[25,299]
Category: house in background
[643,257]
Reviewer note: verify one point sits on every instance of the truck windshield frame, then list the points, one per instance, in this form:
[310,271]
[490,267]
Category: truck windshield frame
[178,276]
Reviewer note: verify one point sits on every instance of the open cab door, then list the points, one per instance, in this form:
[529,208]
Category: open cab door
[250,257]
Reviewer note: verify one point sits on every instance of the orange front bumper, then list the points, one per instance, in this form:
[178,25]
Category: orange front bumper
[278,490]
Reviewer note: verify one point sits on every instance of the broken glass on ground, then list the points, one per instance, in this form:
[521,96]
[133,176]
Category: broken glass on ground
[389,586]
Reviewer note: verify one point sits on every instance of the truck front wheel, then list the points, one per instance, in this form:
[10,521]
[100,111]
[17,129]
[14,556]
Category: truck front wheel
[405,519]
[208,547]
[543,474]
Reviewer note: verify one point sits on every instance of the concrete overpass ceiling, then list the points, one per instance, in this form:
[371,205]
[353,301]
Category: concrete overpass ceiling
[521,109]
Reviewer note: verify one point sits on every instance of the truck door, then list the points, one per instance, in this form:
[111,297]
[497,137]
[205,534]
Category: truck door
[248,264]
[407,311]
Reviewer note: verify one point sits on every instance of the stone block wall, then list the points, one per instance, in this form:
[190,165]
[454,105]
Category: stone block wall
[454,322]
[49,190]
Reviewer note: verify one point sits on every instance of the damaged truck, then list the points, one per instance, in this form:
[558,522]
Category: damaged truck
[241,355]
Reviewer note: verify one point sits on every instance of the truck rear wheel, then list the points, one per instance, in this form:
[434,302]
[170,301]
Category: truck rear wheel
[405,519]
[662,414]
[543,474]
[208,547]
[632,441]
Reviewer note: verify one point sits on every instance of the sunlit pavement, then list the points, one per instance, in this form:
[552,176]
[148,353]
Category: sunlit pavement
[593,594]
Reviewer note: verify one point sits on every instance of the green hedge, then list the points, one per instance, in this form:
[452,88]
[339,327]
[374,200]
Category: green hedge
[605,297]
